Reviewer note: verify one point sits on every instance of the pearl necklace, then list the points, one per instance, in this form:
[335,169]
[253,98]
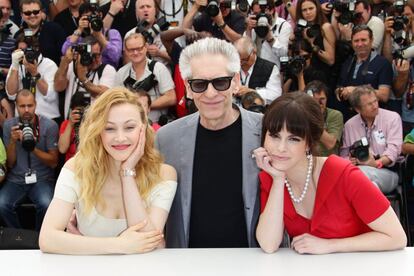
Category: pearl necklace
[305,188]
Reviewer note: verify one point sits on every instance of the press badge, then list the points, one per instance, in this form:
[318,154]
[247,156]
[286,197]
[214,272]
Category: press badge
[30,177]
[379,137]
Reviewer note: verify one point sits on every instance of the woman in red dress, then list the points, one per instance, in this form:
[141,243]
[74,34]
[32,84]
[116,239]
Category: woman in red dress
[325,203]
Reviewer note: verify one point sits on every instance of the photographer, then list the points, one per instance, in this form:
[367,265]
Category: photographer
[273,34]
[222,23]
[360,15]
[31,70]
[398,29]
[82,71]
[151,27]
[318,32]
[256,73]
[50,35]
[68,18]
[372,139]
[32,155]
[90,23]
[120,15]
[365,67]
[143,74]
[69,129]
[333,119]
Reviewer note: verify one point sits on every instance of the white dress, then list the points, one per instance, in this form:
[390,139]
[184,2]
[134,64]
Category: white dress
[96,225]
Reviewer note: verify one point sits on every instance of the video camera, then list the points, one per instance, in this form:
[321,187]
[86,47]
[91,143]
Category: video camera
[263,20]
[360,149]
[85,52]
[31,53]
[28,137]
[150,32]
[347,10]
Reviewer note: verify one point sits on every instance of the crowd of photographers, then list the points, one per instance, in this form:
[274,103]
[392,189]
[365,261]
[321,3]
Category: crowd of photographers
[56,57]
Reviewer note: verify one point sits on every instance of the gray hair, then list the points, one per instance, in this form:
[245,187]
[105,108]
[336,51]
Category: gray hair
[246,44]
[209,46]
[357,93]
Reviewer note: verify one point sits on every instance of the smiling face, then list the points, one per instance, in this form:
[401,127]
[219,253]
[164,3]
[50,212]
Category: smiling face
[286,150]
[33,20]
[213,105]
[121,133]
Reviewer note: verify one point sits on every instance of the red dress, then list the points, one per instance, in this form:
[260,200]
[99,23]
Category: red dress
[346,201]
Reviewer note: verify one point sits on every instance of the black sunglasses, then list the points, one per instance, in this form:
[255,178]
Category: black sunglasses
[220,84]
[29,13]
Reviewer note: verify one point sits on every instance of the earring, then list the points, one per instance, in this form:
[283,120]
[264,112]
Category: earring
[308,154]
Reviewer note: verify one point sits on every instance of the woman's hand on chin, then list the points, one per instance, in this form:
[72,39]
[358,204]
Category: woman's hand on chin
[137,153]
[264,162]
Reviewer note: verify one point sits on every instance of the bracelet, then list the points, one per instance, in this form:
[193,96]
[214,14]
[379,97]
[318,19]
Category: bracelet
[128,172]
[77,33]
[111,15]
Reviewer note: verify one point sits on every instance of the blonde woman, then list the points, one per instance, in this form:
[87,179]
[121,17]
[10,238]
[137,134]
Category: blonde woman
[117,183]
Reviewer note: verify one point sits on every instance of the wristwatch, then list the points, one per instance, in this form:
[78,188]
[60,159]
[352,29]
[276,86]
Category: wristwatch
[77,33]
[222,26]
[128,172]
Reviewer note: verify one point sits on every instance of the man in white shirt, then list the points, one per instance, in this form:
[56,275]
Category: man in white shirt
[32,71]
[257,73]
[138,69]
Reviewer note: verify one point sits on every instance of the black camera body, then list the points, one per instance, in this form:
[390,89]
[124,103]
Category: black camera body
[400,21]
[85,52]
[150,32]
[96,22]
[28,137]
[313,30]
[292,65]
[213,8]
[31,53]
[347,10]
[360,149]
[146,84]
[263,20]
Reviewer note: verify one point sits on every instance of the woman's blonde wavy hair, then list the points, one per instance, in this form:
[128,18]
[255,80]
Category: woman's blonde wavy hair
[92,160]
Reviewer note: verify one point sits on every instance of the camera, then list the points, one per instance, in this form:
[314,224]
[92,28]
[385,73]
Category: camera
[31,53]
[95,19]
[293,65]
[399,6]
[243,6]
[404,53]
[150,32]
[347,10]
[257,108]
[28,137]
[263,20]
[399,22]
[146,84]
[213,8]
[313,30]
[85,52]
[360,149]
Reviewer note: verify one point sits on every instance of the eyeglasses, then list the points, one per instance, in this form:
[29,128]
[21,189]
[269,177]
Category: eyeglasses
[29,13]
[246,59]
[137,49]
[220,84]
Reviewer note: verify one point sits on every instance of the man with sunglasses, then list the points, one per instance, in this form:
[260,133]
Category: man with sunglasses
[257,73]
[216,204]
[75,75]
[49,34]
